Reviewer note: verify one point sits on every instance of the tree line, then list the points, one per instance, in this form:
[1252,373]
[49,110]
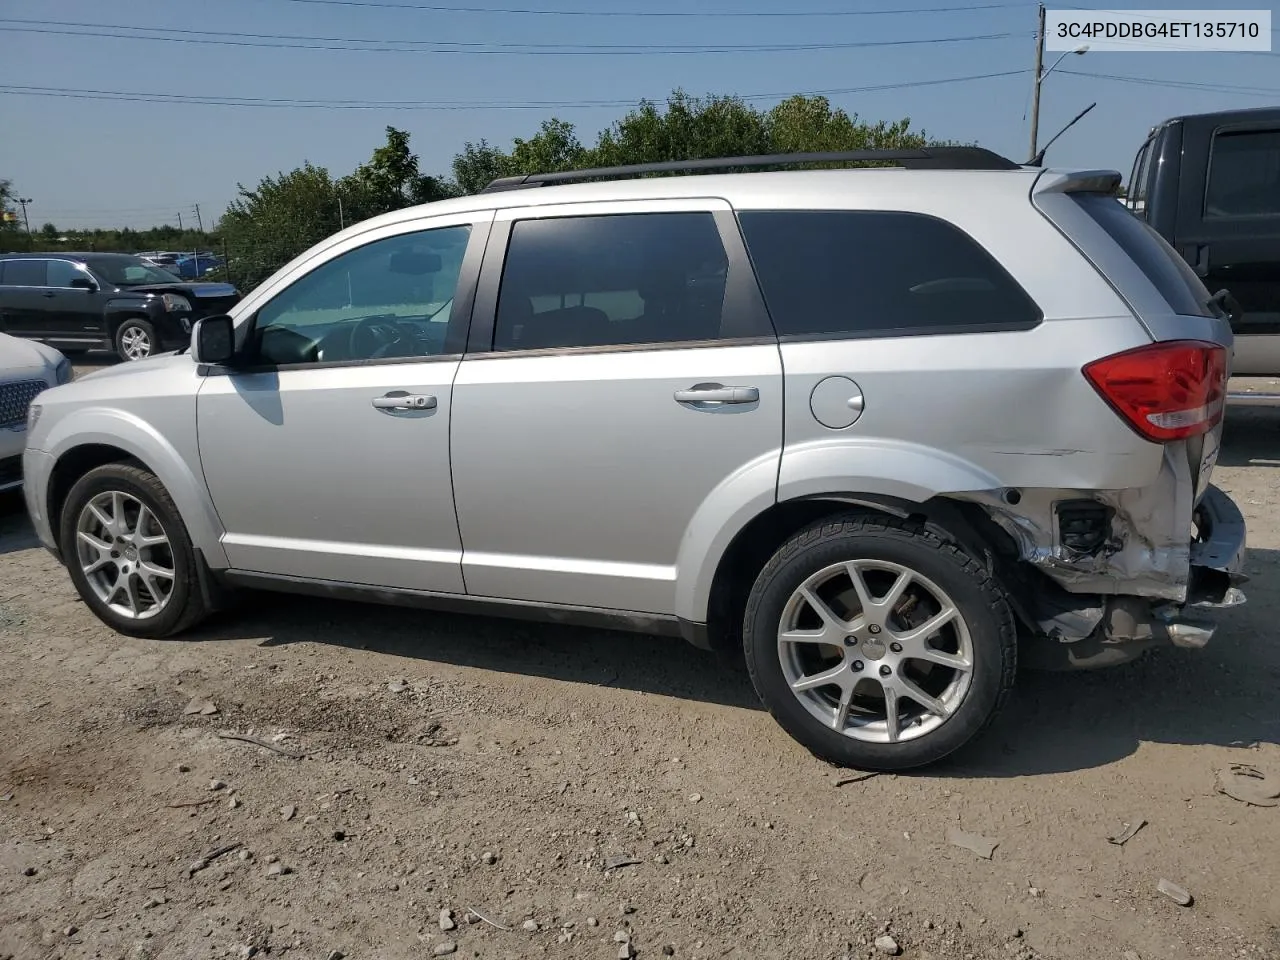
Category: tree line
[267,225]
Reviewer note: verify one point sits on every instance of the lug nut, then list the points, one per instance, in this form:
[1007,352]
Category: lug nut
[885,671]
[874,628]
[857,666]
[895,647]
[850,641]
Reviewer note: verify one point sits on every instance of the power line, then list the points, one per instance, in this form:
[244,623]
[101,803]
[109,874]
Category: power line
[1207,87]
[192,99]
[450,105]
[295,42]
[526,11]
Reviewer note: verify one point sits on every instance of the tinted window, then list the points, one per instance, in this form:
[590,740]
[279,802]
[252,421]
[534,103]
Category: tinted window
[602,281]
[389,298]
[1167,271]
[1244,174]
[130,271]
[62,272]
[1137,199]
[24,273]
[862,272]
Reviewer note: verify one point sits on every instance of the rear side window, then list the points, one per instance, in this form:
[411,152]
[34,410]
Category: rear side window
[625,279]
[1159,262]
[1244,174]
[24,273]
[871,273]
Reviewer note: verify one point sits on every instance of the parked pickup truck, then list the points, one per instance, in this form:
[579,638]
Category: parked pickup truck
[1209,184]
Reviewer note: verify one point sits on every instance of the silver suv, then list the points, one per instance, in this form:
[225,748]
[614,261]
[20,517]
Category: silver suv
[885,430]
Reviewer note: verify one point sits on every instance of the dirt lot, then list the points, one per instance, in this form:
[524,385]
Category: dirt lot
[518,760]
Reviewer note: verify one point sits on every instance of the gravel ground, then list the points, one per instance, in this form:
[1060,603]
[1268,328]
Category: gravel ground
[503,771]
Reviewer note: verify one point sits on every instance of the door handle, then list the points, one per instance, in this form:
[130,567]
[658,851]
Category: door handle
[714,393]
[405,401]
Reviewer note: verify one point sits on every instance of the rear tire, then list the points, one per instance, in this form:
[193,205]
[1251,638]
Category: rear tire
[136,340]
[129,553]
[925,632]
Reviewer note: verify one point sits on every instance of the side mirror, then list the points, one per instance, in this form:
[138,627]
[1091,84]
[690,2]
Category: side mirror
[83,283]
[213,340]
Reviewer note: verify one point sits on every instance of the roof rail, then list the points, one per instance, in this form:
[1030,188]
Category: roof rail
[933,158]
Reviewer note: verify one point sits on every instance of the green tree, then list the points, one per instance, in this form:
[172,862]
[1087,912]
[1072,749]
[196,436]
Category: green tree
[269,225]
[11,238]
[478,165]
[685,128]
[49,233]
[389,181]
[690,128]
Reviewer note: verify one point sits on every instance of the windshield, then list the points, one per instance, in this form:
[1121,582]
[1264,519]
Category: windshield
[130,272]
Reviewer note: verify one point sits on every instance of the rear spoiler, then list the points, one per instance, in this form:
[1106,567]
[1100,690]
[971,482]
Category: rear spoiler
[1106,182]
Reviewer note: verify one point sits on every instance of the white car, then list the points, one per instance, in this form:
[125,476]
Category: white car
[26,369]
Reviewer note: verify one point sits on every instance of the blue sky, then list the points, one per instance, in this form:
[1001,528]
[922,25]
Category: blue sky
[97,162]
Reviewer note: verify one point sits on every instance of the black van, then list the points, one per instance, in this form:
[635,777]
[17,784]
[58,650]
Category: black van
[1209,183]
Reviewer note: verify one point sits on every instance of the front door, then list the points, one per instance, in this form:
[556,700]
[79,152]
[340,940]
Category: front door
[326,451]
[75,313]
[620,373]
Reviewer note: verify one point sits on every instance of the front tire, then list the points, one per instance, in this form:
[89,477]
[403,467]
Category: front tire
[129,553]
[135,339]
[878,645]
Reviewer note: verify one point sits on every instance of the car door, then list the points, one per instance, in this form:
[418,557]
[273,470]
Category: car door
[25,300]
[1229,229]
[621,370]
[75,313]
[326,449]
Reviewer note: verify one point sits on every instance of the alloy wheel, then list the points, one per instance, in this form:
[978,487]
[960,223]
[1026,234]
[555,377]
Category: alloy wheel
[135,343]
[875,651]
[125,555]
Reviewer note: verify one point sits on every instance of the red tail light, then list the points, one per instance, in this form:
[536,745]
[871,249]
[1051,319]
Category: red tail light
[1165,391]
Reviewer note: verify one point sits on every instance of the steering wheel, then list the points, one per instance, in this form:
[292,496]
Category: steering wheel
[377,336]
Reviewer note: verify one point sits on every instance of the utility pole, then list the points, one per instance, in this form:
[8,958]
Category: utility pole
[1035,93]
[342,223]
[22,202]
[179,220]
[199,222]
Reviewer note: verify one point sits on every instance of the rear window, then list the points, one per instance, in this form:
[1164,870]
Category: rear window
[1159,262]
[874,273]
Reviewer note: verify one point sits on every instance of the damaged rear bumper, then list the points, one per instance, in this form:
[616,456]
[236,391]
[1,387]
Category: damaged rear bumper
[1129,625]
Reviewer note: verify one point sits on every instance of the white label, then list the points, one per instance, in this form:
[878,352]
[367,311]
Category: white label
[1157,31]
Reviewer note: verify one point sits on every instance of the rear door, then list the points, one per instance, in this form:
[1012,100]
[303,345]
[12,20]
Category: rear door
[1229,228]
[25,300]
[622,369]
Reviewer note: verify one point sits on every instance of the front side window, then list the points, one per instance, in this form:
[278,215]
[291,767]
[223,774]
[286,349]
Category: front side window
[62,272]
[23,273]
[648,278]
[871,273]
[1244,174]
[389,298]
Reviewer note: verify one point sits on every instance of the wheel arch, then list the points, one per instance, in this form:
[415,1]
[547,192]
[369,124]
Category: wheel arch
[92,437]
[118,312]
[757,509]
[959,522]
